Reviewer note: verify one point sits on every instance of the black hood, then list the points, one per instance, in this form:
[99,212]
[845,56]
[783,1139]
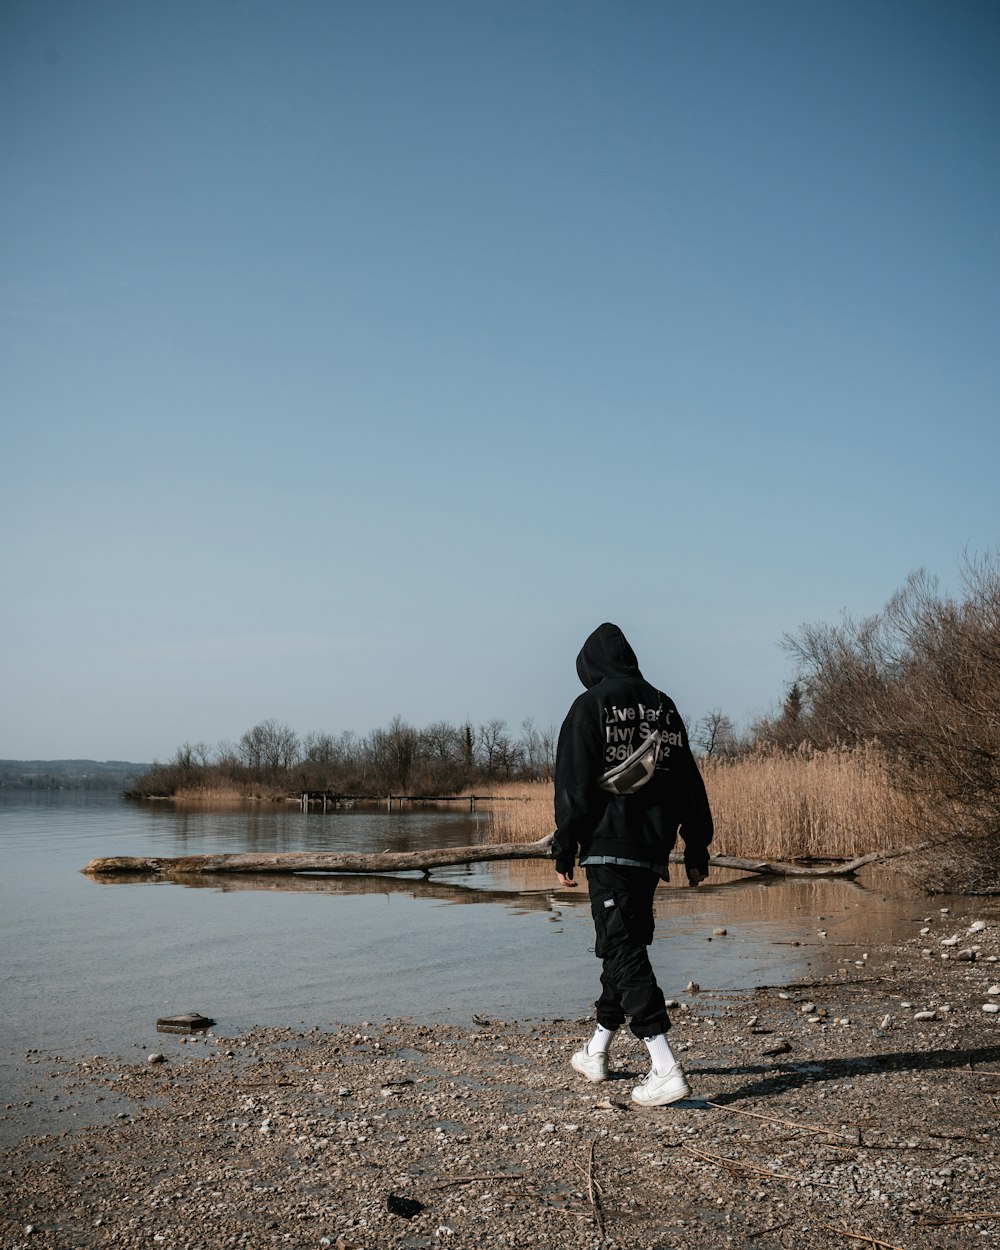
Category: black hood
[606,653]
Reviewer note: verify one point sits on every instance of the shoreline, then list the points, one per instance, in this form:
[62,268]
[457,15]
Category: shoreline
[876,1122]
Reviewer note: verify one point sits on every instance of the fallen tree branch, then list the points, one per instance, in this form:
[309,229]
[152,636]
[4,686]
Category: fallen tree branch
[291,862]
[316,861]
[422,861]
[846,868]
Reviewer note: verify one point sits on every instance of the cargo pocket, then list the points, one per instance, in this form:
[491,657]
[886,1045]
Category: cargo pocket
[609,925]
[619,920]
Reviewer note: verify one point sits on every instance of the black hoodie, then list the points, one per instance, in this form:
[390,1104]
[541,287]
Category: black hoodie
[605,724]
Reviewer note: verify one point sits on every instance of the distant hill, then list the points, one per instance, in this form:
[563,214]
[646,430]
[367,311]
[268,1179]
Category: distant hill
[68,774]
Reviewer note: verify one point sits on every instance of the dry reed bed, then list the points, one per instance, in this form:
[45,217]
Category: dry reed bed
[769,805]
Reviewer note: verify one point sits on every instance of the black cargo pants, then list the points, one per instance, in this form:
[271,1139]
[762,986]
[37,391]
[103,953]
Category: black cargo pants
[621,900]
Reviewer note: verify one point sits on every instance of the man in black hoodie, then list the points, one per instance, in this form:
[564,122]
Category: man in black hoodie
[624,842]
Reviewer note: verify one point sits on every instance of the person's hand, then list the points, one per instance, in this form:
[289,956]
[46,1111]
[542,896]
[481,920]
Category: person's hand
[566,879]
[695,876]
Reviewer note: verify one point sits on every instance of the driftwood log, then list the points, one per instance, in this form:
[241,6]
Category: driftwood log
[117,867]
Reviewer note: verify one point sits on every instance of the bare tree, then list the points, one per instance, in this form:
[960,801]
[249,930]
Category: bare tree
[393,754]
[499,754]
[538,747]
[715,734]
[268,749]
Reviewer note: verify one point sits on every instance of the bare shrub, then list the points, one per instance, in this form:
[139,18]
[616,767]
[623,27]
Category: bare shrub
[922,680]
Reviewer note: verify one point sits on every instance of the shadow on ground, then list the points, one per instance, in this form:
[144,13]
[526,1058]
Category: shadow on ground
[781,1077]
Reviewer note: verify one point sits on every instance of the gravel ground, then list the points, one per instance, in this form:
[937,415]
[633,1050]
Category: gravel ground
[862,1109]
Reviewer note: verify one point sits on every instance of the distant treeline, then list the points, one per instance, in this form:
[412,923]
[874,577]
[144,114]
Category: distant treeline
[271,759]
[68,774]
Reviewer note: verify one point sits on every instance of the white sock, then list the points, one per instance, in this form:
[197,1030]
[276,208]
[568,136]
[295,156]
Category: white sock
[600,1043]
[660,1053]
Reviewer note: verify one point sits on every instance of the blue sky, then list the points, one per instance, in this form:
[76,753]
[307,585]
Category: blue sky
[360,358]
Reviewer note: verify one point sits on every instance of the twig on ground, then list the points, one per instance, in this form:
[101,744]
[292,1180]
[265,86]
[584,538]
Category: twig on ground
[483,1176]
[936,1221]
[872,1241]
[771,1228]
[731,1164]
[593,1192]
[807,1128]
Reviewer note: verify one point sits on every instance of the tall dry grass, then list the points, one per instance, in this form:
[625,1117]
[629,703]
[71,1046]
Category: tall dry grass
[774,805]
[227,795]
[770,805]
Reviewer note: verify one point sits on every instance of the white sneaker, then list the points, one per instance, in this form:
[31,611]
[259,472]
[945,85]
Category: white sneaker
[658,1091]
[593,1067]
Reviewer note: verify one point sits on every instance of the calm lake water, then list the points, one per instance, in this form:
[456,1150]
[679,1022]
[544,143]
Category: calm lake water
[89,967]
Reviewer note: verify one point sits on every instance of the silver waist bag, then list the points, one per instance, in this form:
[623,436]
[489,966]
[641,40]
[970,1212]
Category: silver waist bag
[632,774]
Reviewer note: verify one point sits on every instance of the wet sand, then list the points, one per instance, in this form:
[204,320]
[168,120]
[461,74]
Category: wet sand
[865,1125]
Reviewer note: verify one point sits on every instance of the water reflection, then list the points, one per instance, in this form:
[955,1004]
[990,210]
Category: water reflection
[268,828]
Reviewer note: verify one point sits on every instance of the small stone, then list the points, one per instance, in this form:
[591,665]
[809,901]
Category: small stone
[693,987]
[156,1058]
[994,989]
[925,1015]
[967,956]
[547,1128]
[977,926]
[718,933]
[186,1022]
[906,1006]
[780,1046]
[951,941]
[992,1008]
[807,1008]
[924,931]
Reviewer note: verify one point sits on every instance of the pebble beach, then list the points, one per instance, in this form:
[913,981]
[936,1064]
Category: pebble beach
[858,1109]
